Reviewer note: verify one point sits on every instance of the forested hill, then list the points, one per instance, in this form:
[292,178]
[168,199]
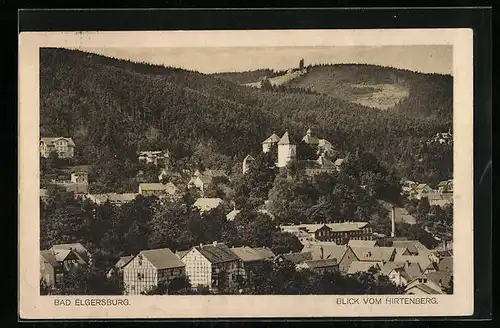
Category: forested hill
[370,85]
[114,107]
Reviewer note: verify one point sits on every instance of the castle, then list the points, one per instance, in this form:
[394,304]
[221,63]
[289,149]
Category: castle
[287,151]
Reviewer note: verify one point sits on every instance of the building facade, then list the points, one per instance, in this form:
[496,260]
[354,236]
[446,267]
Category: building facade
[148,268]
[213,266]
[64,147]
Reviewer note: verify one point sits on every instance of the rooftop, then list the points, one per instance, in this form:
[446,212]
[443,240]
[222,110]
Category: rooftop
[249,254]
[362,266]
[217,253]
[162,258]
[207,204]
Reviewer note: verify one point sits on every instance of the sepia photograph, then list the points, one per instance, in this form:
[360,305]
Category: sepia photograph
[240,169]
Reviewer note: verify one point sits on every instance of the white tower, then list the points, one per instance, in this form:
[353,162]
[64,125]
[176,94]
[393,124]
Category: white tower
[247,162]
[286,150]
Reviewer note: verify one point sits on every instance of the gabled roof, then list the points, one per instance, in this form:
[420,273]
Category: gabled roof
[410,271]
[362,243]
[50,140]
[438,277]
[309,139]
[249,254]
[323,143]
[338,227]
[426,289]
[389,266]
[123,261]
[379,254]
[272,139]
[362,266]
[422,260]
[325,162]
[286,139]
[78,248]
[49,256]
[446,264]
[330,252]
[415,247]
[205,179]
[217,253]
[162,258]
[180,254]
[62,254]
[248,158]
[207,204]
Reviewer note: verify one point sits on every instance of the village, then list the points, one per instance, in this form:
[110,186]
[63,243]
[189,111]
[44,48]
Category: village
[344,246]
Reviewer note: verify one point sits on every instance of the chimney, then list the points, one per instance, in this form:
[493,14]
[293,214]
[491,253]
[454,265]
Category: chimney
[215,243]
[393,222]
[201,245]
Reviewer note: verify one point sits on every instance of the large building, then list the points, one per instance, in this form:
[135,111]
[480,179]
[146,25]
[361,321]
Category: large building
[339,232]
[63,147]
[148,268]
[213,265]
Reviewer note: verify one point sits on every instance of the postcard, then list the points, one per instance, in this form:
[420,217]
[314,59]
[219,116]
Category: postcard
[246,173]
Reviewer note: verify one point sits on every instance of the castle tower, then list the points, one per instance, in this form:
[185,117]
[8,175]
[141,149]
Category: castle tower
[287,150]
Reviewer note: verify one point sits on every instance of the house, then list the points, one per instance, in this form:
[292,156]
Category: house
[154,157]
[338,163]
[314,167]
[159,190]
[201,182]
[80,177]
[150,267]
[57,260]
[207,204]
[325,148]
[221,174]
[436,256]
[44,195]
[402,274]
[248,162]
[50,268]
[439,199]
[414,247]
[445,264]
[422,259]
[83,255]
[320,266]
[269,143]
[213,265]
[74,187]
[62,146]
[295,258]
[445,186]
[343,254]
[363,266]
[251,257]
[113,198]
[431,284]
[375,254]
[118,267]
[338,232]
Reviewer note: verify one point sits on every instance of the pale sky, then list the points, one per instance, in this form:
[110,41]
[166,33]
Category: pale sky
[420,58]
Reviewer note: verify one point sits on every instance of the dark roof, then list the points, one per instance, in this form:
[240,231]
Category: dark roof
[330,252]
[426,289]
[442,277]
[217,253]
[78,248]
[162,258]
[249,254]
[446,264]
[316,264]
[50,258]
[123,261]
[297,257]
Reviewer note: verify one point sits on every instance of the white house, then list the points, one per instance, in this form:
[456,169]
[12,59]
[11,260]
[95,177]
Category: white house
[64,147]
[211,265]
[148,268]
[269,142]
